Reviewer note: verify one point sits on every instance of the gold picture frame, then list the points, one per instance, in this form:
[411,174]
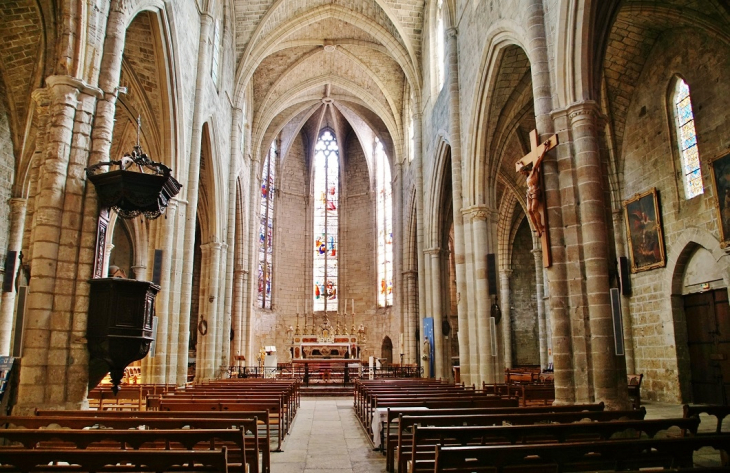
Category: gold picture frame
[720,172]
[644,231]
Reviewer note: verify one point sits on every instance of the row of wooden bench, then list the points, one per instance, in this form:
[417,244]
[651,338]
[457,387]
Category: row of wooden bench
[129,441]
[525,439]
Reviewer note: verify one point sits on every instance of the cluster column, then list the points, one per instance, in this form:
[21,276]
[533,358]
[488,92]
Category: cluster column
[594,232]
[437,312]
[15,240]
[505,305]
[540,295]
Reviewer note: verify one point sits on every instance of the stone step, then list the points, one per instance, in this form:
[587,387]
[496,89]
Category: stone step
[326,390]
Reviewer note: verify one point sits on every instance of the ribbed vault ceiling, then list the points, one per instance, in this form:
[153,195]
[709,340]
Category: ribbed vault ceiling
[360,56]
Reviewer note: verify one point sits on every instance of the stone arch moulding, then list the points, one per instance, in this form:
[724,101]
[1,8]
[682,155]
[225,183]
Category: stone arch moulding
[432,231]
[501,36]
[209,222]
[577,59]
[677,259]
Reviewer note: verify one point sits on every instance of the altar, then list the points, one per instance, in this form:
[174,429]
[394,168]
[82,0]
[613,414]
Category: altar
[317,347]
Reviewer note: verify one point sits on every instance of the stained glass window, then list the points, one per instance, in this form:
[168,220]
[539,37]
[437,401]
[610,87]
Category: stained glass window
[326,221]
[688,141]
[385,227]
[440,59]
[266,227]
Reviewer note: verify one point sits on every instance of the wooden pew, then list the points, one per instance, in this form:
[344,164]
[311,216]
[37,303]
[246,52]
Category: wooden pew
[129,397]
[633,382]
[719,411]
[157,461]
[105,439]
[122,421]
[420,453]
[376,424]
[370,396]
[258,439]
[406,419]
[273,407]
[610,455]
[283,410]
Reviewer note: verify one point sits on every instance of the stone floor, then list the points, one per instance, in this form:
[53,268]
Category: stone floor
[326,436]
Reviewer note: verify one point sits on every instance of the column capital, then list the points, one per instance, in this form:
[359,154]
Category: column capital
[42,98]
[479,212]
[433,251]
[585,109]
[452,32]
[79,85]
[505,273]
[17,203]
[213,245]
[410,273]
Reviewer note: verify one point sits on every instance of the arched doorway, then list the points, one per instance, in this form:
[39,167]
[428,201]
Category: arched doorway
[386,350]
[707,315]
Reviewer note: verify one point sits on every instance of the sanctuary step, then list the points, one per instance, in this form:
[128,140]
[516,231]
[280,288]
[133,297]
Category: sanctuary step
[330,390]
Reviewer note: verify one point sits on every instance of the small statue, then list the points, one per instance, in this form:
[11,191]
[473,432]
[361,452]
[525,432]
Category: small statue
[426,357]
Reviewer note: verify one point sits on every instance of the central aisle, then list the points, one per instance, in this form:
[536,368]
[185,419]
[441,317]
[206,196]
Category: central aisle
[326,436]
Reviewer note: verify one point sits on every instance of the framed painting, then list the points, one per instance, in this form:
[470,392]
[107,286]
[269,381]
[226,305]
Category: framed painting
[644,231]
[720,172]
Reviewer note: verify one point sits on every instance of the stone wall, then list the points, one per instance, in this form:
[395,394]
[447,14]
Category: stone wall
[651,159]
[523,309]
[291,253]
[7,165]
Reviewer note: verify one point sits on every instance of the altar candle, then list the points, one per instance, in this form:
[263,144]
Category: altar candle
[297,306]
[353,306]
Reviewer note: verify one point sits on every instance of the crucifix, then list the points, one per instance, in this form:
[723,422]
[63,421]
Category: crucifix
[530,166]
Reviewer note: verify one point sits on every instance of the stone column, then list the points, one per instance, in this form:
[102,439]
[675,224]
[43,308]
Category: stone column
[594,233]
[417,164]
[540,299]
[45,245]
[437,312]
[199,108]
[480,237]
[223,346]
[619,234]
[235,158]
[239,276]
[505,304]
[410,279]
[177,365]
[212,352]
[162,361]
[15,240]
[463,307]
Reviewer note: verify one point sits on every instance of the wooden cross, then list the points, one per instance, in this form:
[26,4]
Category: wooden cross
[531,165]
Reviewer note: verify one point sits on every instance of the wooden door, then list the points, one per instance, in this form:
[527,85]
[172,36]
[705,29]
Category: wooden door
[708,337]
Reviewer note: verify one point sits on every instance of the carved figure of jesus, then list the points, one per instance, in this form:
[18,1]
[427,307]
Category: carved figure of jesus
[532,173]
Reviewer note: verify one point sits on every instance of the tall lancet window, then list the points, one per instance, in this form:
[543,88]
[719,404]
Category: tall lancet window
[385,227]
[326,220]
[687,141]
[266,227]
